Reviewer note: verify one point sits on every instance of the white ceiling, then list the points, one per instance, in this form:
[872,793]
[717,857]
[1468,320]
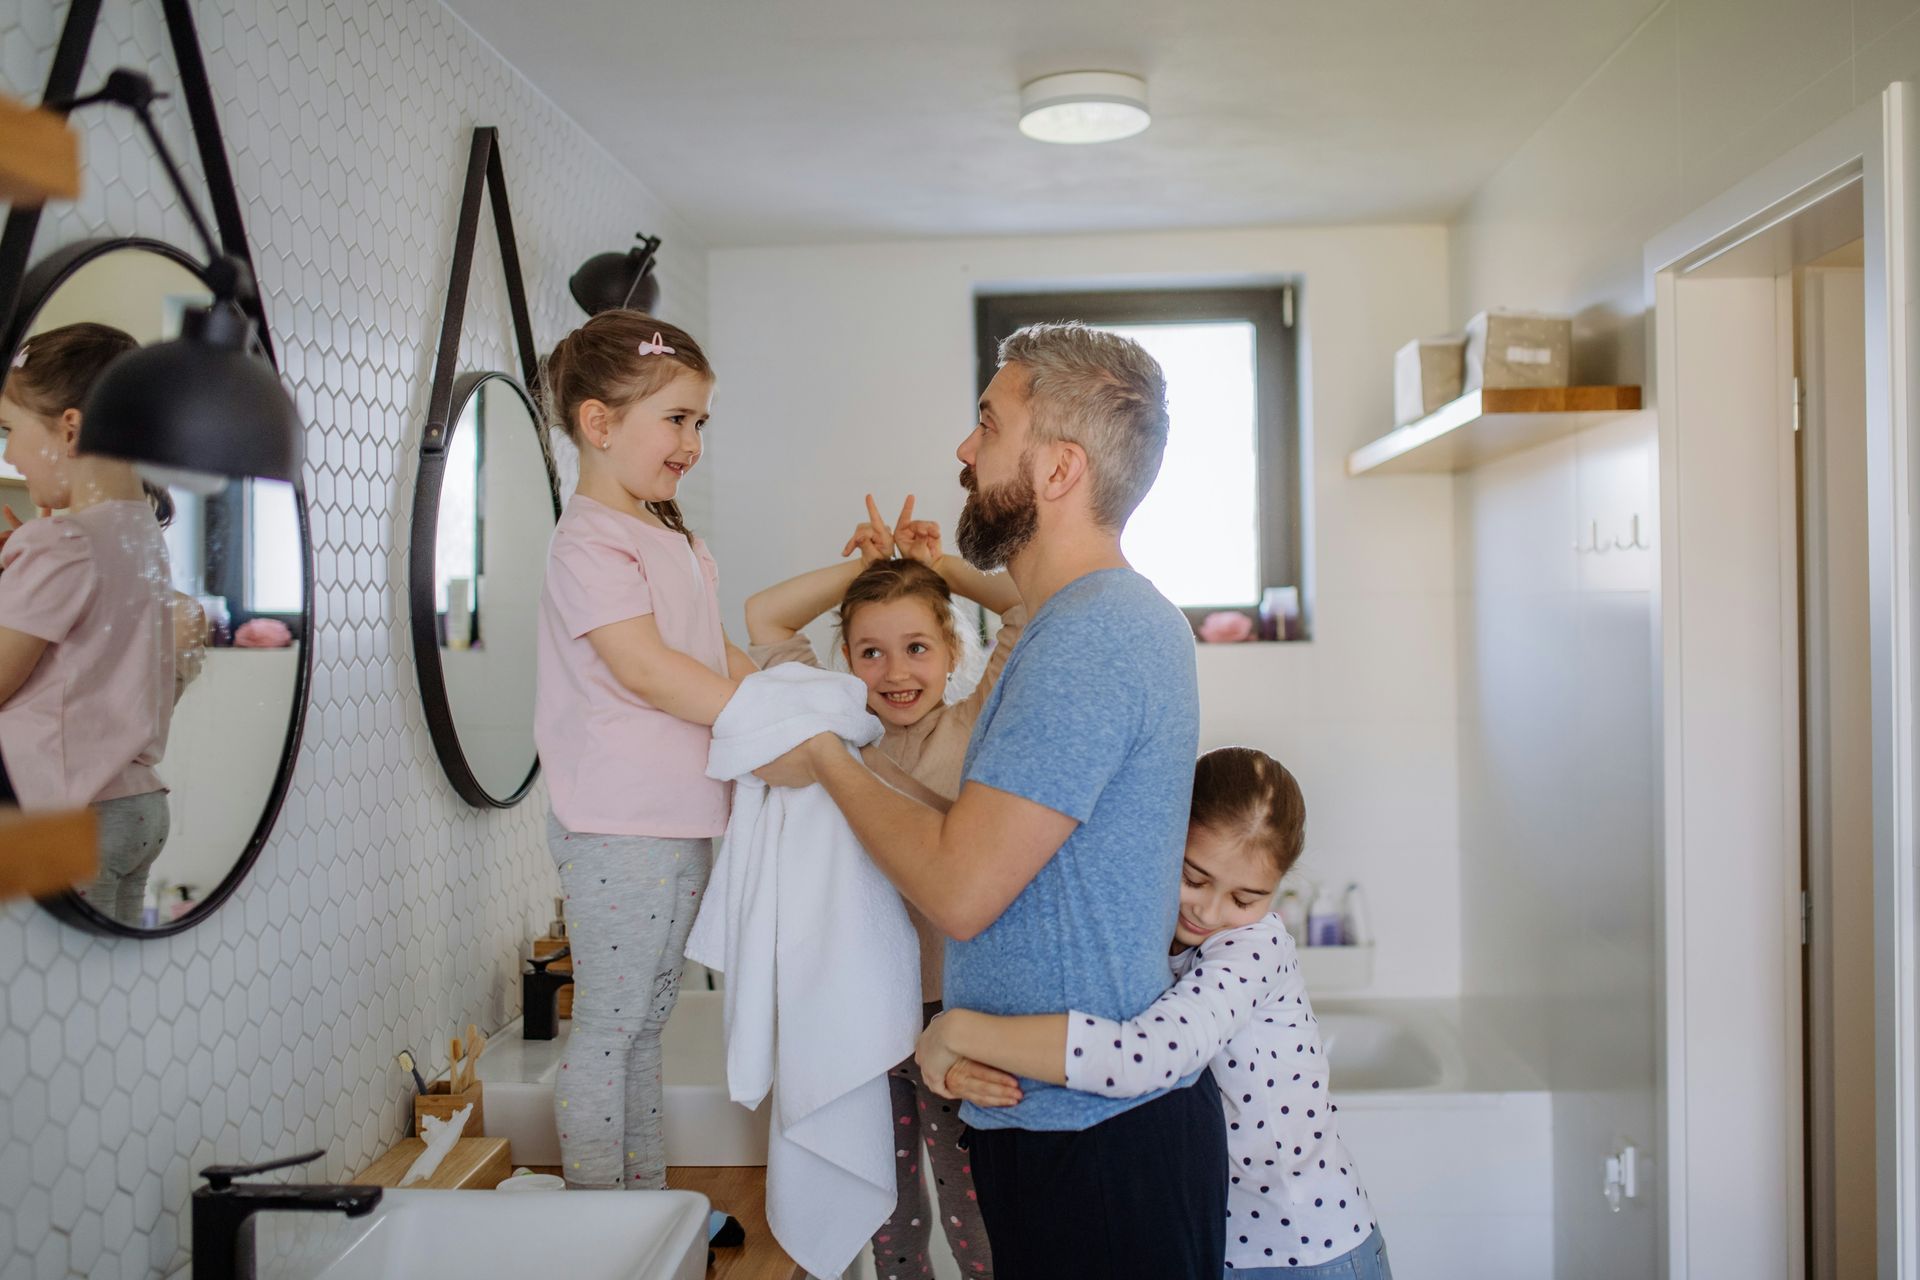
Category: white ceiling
[784,121]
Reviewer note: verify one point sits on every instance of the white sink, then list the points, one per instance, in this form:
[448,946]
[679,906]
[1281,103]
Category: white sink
[485,1235]
[703,1126]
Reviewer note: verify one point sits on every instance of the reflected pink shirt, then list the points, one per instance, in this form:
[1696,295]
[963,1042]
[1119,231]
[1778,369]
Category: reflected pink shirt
[615,763]
[91,721]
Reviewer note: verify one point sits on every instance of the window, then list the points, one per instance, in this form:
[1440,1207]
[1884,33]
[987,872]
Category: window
[249,539]
[456,544]
[274,579]
[1221,525]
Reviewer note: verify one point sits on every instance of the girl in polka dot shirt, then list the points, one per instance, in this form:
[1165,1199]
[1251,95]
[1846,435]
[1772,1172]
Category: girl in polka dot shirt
[1295,1206]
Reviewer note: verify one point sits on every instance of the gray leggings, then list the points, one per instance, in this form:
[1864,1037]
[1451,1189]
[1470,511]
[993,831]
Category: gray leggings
[630,905]
[133,831]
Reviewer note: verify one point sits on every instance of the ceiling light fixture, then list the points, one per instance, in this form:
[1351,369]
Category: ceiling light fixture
[1084,106]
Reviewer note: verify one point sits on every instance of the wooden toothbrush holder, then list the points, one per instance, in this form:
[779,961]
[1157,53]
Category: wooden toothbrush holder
[439,1101]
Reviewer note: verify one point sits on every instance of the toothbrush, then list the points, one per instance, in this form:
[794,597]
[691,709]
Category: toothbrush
[407,1064]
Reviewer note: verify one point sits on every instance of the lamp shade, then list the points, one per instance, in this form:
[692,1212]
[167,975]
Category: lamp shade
[1084,106]
[611,281]
[202,403]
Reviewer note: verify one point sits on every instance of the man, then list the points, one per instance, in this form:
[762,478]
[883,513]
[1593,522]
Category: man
[1056,871]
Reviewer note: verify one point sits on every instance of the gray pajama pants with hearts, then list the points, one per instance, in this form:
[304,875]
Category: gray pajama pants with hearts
[631,901]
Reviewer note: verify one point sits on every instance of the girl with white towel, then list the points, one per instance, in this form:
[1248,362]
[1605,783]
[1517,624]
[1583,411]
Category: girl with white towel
[897,634]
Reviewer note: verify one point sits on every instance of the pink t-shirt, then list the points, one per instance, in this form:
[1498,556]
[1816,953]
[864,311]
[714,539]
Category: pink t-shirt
[615,763]
[91,721]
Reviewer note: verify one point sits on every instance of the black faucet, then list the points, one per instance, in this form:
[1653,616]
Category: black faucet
[540,997]
[223,1212]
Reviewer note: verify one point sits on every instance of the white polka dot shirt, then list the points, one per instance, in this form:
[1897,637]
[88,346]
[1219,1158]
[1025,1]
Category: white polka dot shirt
[1238,1003]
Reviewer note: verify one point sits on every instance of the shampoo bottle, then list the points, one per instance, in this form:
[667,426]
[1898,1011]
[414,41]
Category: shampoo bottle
[1323,921]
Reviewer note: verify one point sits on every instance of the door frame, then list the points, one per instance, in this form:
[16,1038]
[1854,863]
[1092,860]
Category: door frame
[1875,146]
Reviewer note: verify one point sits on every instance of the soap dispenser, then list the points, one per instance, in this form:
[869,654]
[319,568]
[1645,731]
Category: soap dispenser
[540,997]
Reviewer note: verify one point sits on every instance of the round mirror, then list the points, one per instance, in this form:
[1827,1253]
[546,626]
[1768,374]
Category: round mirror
[483,513]
[153,640]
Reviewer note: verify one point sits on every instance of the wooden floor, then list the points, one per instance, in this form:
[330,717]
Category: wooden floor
[742,1193]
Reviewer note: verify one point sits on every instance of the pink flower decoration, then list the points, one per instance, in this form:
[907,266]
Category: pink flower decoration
[1226,627]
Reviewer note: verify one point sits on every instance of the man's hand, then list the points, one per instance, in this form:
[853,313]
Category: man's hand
[796,768]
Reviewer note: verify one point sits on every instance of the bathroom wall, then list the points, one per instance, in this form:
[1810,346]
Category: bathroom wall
[851,369]
[1557,710]
[384,911]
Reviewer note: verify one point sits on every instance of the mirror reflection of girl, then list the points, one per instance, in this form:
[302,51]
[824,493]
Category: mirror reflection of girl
[87,625]
[1295,1206]
[632,669]
[897,634]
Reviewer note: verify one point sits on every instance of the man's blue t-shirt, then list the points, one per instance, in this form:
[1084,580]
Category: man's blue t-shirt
[1096,716]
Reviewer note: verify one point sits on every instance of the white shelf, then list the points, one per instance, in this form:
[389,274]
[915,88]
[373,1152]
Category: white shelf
[1489,423]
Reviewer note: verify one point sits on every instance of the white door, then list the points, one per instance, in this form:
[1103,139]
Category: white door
[1731,1144]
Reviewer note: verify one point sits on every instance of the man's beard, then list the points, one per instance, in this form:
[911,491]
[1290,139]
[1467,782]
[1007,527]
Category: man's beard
[996,525]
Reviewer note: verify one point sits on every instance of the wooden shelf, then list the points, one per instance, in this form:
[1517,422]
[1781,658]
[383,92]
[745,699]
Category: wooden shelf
[1487,424]
[474,1164]
[46,853]
[39,155]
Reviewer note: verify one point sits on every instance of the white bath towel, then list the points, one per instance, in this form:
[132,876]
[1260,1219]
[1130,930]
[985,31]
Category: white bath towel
[822,968]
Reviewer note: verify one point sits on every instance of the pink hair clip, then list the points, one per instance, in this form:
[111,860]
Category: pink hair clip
[655,347]
[20,358]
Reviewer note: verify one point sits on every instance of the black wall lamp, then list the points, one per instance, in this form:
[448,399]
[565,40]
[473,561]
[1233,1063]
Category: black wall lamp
[618,281]
[207,403]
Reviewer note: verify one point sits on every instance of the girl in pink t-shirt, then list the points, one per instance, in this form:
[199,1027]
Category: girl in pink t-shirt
[86,619]
[633,668]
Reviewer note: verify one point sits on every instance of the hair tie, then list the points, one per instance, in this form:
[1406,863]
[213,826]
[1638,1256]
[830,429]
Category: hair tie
[20,358]
[655,347]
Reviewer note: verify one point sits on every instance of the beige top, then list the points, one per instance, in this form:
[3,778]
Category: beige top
[933,750]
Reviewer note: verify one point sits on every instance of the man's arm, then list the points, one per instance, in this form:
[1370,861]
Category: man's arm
[962,868]
[900,780]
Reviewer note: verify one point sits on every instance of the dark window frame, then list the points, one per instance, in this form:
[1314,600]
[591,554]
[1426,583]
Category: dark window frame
[1273,310]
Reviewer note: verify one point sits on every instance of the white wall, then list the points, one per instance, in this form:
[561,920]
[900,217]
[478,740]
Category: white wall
[852,368]
[1558,840]
[223,749]
[384,912]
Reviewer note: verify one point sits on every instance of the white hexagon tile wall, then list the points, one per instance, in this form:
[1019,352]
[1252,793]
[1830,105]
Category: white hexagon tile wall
[384,911]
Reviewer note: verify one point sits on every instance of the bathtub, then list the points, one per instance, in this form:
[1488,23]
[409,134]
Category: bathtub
[1452,1131]
[1453,1135]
